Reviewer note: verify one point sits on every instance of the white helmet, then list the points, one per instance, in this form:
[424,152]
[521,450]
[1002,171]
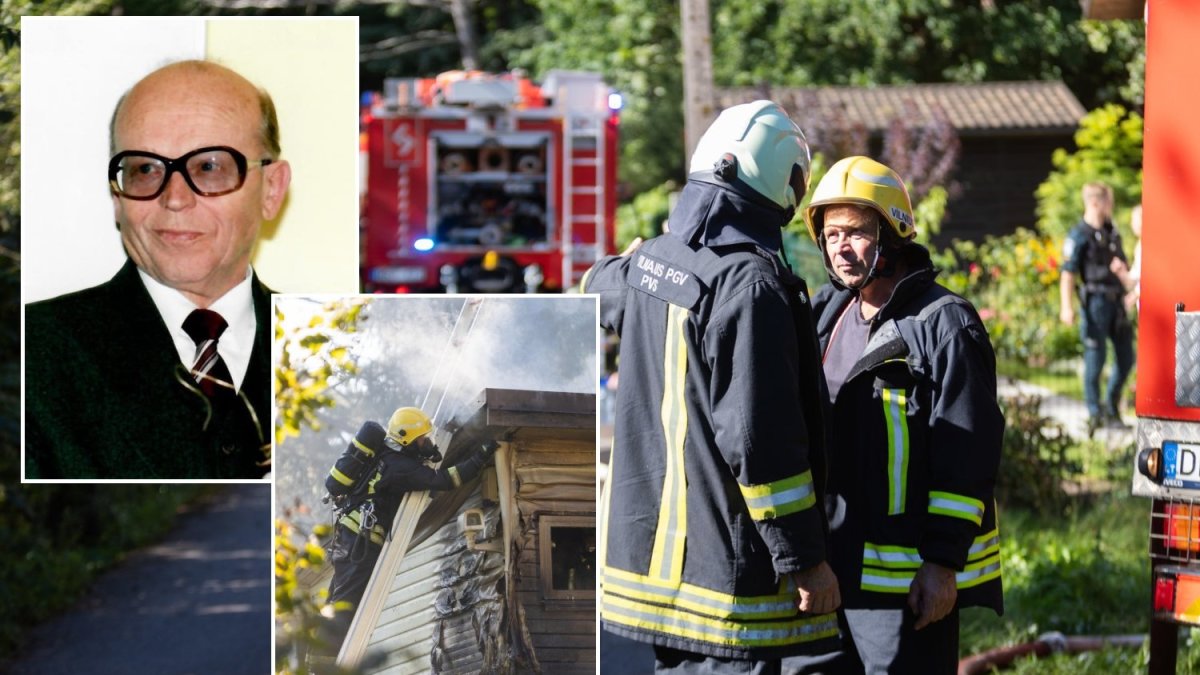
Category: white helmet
[770,152]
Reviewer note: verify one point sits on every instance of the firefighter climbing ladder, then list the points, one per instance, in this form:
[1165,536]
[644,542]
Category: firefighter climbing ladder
[586,130]
[413,504]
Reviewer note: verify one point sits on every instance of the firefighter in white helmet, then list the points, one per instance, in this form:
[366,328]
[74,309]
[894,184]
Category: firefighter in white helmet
[916,432]
[398,461]
[714,540]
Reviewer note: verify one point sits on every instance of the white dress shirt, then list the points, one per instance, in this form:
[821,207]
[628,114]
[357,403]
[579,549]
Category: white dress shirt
[236,307]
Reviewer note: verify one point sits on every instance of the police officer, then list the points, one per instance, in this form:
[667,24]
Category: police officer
[714,540]
[367,517]
[1088,254]
[915,433]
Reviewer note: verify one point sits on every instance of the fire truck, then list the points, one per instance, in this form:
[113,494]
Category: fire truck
[1168,386]
[488,183]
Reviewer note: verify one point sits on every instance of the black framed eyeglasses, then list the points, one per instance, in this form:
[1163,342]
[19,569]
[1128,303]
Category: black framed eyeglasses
[210,172]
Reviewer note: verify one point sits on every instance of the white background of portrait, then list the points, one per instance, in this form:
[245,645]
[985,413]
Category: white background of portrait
[73,70]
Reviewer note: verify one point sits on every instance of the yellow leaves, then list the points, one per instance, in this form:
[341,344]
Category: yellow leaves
[318,354]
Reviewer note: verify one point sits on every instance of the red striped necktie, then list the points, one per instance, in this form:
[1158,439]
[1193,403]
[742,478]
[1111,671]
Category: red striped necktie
[209,369]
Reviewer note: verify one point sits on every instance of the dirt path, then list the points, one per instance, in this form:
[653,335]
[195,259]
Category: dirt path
[199,602]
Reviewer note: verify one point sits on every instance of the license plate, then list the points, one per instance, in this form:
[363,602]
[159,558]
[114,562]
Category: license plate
[1181,465]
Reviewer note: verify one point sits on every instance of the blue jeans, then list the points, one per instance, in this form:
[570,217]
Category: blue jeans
[1104,319]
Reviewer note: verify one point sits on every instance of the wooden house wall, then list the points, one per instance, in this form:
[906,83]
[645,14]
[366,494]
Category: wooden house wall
[437,572]
[555,477]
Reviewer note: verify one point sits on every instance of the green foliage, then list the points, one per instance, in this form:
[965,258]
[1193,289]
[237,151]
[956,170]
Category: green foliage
[312,357]
[1080,572]
[636,46]
[645,214]
[1109,142]
[1013,282]
[297,610]
[58,538]
[1037,458]
[864,43]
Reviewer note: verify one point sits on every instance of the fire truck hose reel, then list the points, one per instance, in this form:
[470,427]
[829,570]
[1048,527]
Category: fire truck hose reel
[493,158]
[455,163]
[529,164]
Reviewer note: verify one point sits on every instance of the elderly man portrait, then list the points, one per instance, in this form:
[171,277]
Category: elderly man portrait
[163,371]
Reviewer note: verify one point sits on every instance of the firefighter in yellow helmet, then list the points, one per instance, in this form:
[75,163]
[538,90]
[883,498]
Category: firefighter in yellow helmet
[915,428]
[368,482]
[714,540]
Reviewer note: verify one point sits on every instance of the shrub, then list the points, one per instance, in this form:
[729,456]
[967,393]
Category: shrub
[1036,460]
[1013,282]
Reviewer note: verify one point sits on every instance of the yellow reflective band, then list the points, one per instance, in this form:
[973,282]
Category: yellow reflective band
[666,558]
[670,621]
[956,506]
[583,281]
[350,520]
[360,446]
[898,581]
[341,477]
[984,545]
[454,477]
[343,606]
[978,572]
[892,557]
[701,600]
[895,412]
[781,498]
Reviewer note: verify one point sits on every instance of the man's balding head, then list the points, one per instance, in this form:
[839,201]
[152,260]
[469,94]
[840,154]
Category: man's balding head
[268,126]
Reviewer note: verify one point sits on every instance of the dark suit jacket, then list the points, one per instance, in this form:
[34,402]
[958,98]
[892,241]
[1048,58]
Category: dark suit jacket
[103,397]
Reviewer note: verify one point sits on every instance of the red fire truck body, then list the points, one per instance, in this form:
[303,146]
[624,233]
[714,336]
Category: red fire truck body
[483,183]
[1168,370]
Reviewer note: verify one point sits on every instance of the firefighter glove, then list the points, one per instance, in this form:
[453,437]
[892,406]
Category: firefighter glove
[488,449]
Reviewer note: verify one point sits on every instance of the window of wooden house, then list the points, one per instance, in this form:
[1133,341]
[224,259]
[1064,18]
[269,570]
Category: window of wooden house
[567,557]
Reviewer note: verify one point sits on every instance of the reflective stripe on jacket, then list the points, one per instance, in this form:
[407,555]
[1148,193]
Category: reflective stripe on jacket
[918,433]
[712,497]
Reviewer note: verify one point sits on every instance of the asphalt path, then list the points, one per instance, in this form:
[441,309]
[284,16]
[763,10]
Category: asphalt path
[198,602]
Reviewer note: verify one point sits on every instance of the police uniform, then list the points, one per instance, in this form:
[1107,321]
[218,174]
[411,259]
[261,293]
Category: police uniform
[918,435]
[1088,252]
[712,498]
[360,532]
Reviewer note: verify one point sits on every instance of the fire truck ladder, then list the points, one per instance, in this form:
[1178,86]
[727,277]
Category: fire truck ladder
[366,617]
[582,129]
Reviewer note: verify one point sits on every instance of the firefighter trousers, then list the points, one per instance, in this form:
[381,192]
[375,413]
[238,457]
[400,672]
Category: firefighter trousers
[883,642]
[678,662]
[354,559]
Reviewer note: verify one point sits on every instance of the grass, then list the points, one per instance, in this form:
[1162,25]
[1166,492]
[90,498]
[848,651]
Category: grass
[1062,377]
[1082,572]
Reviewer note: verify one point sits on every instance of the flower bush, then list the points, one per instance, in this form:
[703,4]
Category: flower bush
[1013,281]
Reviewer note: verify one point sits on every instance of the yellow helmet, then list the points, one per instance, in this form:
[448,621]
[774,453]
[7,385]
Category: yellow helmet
[865,182]
[770,152]
[407,425]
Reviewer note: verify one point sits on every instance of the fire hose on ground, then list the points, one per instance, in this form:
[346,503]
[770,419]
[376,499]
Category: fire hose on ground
[1045,645]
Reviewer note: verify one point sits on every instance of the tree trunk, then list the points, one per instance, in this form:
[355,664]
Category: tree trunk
[468,43]
[698,104]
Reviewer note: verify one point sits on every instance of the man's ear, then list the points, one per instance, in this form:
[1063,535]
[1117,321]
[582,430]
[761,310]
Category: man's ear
[278,177]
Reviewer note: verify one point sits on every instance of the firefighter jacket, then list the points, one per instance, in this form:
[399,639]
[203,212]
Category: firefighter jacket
[712,497]
[397,474]
[915,434]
